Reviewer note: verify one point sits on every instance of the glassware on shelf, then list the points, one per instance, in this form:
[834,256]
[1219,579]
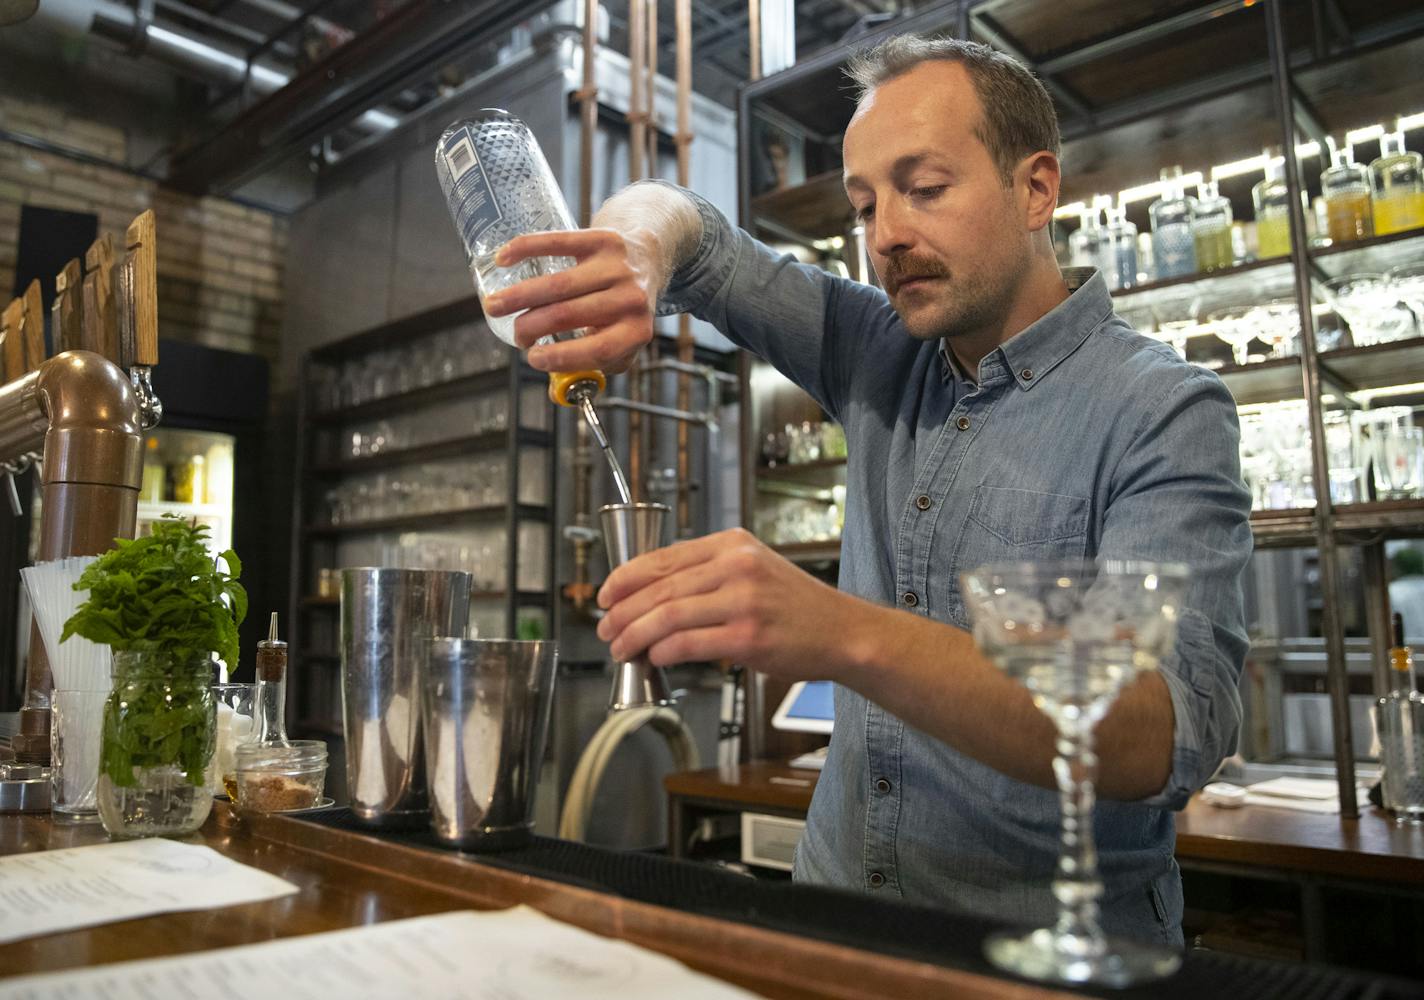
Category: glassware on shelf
[1236,328]
[1277,323]
[1398,187]
[1382,439]
[1211,228]
[1408,282]
[1371,306]
[1117,250]
[1342,453]
[1271,199]
[1345,186]
[1173,250]
[1275,456]
[1076,633]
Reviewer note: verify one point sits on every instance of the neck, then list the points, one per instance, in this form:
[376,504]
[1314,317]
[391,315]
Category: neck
[1040,290]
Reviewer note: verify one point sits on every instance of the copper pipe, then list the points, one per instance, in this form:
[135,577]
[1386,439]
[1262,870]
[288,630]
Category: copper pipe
[84,410]
[754,38]
[651,89]
[637,147]
[580,591]
[684,322]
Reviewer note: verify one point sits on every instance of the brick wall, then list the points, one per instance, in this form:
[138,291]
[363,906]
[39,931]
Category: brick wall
[219,263]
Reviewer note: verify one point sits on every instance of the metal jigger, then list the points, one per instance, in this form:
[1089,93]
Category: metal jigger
[629,530]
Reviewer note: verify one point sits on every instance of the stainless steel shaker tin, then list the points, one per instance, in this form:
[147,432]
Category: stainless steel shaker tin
[386,617]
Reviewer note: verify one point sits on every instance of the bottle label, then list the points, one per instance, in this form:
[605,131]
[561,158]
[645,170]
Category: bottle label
[477,210]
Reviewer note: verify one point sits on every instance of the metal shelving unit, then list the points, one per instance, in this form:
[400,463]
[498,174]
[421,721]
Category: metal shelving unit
[1139,87]
[524,587]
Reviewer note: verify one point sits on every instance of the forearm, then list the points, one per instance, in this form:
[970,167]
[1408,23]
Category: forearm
[933,677]
[658,217]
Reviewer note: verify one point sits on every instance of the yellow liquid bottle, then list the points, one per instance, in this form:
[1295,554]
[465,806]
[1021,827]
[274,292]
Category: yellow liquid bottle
[1211,228]
[1346,188]
[1271,199]
[1398,182]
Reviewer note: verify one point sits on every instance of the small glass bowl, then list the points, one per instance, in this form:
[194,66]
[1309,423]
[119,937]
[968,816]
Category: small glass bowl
[280,777]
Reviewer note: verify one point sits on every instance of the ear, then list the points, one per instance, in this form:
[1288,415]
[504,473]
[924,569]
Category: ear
[1036,180]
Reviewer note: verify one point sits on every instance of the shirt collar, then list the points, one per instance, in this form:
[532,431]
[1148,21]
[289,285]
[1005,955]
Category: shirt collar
[1038,348]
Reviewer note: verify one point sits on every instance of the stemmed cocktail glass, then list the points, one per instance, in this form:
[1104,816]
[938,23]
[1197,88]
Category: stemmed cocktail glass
[1075,633]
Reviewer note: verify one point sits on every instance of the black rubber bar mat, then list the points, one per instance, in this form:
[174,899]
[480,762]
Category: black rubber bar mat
[887,927]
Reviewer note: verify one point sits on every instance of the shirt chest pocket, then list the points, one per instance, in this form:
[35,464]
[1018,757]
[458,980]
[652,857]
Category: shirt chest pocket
[1016,525]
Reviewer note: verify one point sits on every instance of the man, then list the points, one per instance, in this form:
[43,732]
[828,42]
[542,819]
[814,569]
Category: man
[993,412]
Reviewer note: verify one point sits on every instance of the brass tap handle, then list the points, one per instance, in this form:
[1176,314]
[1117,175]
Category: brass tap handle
[101,332]
[68,314]
[32,329]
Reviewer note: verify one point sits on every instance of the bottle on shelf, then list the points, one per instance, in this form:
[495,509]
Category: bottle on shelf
[1399,717]
[1271,198]
[1398,187]
[1118,250]
[1345,185]
[1211,228]
[1172,246]
[1084,242]
[153,473]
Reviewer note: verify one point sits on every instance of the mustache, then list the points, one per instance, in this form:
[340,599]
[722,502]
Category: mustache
[905,267]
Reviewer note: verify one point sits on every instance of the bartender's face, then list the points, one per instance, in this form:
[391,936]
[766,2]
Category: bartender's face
[945,235]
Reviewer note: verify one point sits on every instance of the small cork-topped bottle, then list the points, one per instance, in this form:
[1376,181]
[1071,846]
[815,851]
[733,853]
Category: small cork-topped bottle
[272,687]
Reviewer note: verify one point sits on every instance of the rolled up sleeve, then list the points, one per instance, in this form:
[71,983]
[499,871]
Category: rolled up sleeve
[1178,497]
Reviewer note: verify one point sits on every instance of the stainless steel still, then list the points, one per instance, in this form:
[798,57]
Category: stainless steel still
[386,617]
[485,719]
[629,530]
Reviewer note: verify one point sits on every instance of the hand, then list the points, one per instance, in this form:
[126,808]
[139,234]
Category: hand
[610,293]
[726,596]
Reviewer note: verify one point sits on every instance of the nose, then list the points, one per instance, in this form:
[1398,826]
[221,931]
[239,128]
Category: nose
[893,231]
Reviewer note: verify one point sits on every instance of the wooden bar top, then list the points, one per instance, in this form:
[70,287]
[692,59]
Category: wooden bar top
[1372,847]
[348,880]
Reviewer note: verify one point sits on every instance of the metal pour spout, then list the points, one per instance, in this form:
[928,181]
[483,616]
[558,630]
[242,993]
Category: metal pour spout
[629,530]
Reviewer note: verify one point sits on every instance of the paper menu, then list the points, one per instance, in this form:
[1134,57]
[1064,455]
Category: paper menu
[516,954]
[49,891]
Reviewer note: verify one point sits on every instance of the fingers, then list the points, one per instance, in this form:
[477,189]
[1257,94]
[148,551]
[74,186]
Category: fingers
[597,310]
[638,573]
[694,645]
[587,276]
[698,579]
[556,243]
[609,350]
[671,619]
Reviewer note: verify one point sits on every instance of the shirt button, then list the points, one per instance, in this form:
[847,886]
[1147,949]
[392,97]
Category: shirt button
[882,785]
[1027,374]
[876,880]
[910,599]
[922,502]
[962,423]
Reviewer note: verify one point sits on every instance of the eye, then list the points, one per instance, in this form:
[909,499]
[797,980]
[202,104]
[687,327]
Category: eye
[928,192]
[864,213]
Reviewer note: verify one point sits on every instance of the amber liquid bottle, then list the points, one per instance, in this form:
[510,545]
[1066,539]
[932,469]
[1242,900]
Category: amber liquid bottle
[1398,177]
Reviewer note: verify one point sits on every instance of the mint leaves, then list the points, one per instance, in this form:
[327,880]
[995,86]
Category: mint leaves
[163,594]
[160,713]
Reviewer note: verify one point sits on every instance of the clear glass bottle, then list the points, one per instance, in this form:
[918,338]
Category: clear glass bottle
[1345,185]
[1119,251]
[1211,228]
[1398,187]
[271,686]
[1271,198]
[1399,720]
[1171,214]
[1084,241]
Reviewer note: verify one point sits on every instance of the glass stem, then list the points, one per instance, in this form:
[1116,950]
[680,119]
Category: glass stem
[1076,884]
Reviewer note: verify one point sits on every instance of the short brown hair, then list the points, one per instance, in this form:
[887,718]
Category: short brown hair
[1019,118]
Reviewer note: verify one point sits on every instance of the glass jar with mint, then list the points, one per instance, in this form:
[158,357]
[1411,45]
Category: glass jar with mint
[165,607]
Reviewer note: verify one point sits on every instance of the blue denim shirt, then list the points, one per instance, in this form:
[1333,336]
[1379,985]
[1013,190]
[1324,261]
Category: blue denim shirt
[1077,438]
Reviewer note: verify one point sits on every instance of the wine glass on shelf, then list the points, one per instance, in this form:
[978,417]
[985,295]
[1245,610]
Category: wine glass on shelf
[1075,633]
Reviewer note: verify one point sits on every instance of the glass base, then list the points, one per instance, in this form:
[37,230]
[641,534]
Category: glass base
[1046,958]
